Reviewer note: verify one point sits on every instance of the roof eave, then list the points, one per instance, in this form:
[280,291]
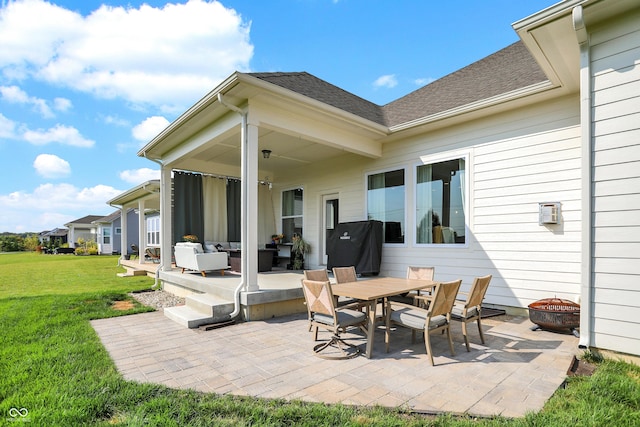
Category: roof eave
[136,193]
[204,102]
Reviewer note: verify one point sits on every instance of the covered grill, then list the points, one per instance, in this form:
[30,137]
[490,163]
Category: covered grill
[555,314]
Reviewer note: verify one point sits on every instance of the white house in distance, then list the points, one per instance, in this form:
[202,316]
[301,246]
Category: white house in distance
[141,230]
[529,157]
[82,228]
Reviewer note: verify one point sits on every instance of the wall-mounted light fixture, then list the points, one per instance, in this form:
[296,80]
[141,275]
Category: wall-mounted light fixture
[266,153]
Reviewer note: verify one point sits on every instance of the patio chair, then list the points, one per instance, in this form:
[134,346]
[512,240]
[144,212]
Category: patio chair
[153,254]
[324,314]
[135,251]
[433,319]
[420,273]
[191,256]
[320,275]
[345,274]
[470,310]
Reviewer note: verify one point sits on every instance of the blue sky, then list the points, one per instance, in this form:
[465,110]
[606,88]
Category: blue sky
[85,84]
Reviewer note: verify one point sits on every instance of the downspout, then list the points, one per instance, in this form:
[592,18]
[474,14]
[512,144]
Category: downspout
[238,289]
[160,265]
[586,295]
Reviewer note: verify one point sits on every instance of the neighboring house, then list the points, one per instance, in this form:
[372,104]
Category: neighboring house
[82,228]
[524,165]
[55,235]
[110,232]
[143,231]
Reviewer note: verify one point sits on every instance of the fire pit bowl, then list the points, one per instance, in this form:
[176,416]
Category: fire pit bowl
[555,314]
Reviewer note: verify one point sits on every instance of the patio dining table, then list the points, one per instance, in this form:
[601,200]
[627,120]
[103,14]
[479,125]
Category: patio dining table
[372,290]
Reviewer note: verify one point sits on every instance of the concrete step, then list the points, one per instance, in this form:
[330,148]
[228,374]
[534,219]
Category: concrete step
[132,272]
[187,316]
[200,309]
[209,304]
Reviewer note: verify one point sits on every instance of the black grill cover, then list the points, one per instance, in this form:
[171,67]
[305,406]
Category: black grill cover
[356,243]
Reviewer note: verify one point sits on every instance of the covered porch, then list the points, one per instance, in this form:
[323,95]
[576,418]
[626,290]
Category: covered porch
[211,299]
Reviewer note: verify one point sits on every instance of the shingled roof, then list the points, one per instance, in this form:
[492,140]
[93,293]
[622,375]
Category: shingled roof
[504,71]
[309,85]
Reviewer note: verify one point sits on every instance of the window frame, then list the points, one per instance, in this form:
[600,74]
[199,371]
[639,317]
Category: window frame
[406,173]
[106,234]
[153,230]
[440,158]
[287,238]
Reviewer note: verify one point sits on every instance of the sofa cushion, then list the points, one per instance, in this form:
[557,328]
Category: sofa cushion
[210,247]
[196,246]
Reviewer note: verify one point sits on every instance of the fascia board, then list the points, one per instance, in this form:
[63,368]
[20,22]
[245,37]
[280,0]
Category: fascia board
[136,193]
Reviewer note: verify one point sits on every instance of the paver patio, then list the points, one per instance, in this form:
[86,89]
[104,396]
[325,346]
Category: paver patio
[515,372]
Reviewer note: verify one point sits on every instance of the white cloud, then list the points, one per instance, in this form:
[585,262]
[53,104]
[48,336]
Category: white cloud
[149,128]
[117,121]
[138,176]
[65,135]
[51,166]
[168,57]
[16,95]
[41,209]
[62,104]
[7,127]
[388,81]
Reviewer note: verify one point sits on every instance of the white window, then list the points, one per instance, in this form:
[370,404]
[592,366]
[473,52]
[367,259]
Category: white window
[386,203]
[118,231]
[106,236]
[292,213]
[153,231]
[441,201]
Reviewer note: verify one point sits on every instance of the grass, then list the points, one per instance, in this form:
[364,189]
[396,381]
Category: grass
[53,365]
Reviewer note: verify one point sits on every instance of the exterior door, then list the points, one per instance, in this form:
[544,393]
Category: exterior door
[329,221]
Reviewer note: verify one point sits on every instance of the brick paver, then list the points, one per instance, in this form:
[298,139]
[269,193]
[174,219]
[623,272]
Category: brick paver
[515,372]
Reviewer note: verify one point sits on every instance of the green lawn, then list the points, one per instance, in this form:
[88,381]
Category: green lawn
[53,365]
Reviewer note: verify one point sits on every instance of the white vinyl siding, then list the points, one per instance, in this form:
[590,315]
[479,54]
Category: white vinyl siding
[515,160]
[615,68]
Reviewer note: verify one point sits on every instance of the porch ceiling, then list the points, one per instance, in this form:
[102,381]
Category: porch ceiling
[287,152]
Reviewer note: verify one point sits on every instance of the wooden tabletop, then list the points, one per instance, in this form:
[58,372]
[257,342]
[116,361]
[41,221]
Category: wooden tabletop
[380,287]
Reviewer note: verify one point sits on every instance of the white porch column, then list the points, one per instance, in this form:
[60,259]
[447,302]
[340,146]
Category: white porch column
[123,232]
[249,218]
[165,218]
[142,232]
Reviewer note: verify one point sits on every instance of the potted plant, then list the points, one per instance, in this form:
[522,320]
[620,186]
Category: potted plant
[298,249]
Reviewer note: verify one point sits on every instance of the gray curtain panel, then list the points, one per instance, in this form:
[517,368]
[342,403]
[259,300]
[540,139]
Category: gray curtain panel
[234,189]
[188,205]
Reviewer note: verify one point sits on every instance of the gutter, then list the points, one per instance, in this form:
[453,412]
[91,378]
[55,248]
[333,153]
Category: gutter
[586,294]
[160,264]
[244,268]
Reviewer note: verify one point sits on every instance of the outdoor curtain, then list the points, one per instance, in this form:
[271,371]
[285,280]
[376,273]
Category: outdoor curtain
[266,216]
[215,209]
[188,206]
[234,188]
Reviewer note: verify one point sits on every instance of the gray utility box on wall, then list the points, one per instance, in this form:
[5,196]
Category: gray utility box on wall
[549,213]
